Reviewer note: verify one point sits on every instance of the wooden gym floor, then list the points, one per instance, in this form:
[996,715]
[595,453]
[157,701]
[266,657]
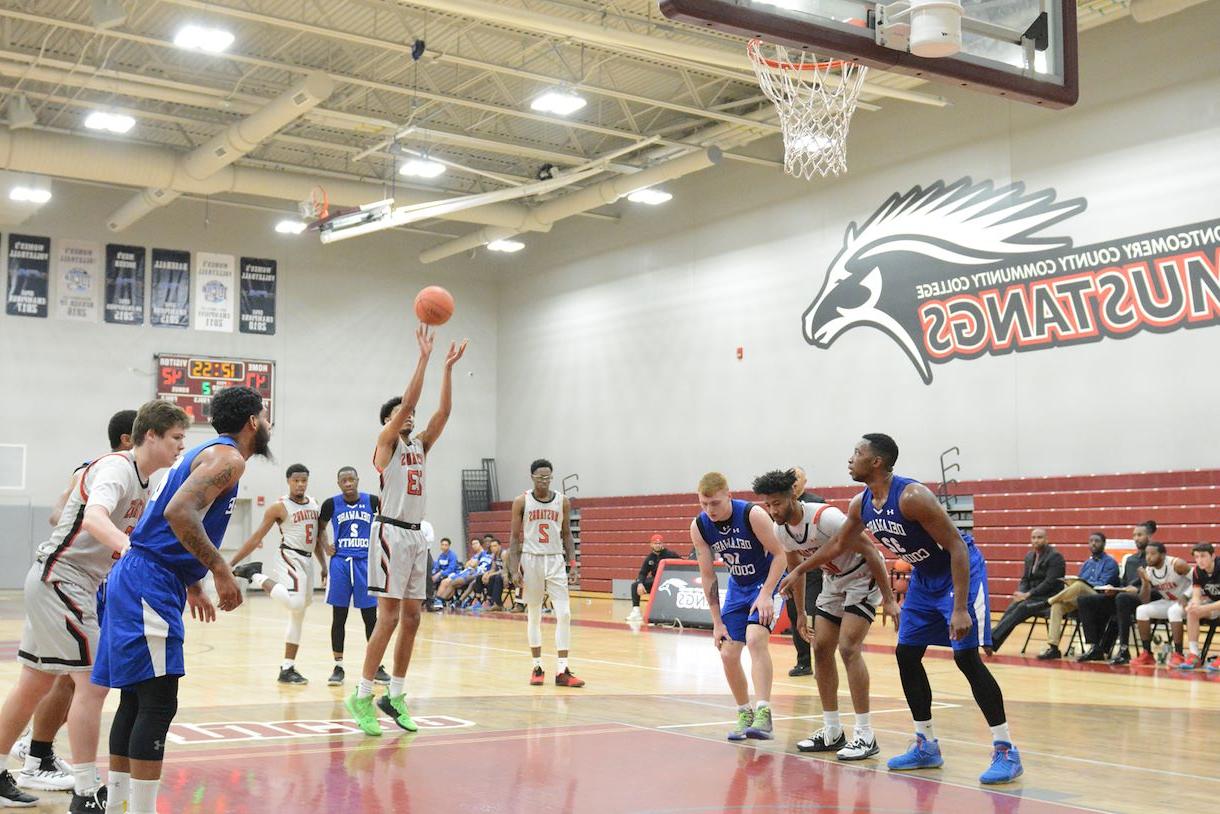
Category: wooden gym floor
[647,732]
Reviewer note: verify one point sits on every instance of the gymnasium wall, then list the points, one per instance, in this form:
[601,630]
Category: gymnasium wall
[344,344]
[617,348]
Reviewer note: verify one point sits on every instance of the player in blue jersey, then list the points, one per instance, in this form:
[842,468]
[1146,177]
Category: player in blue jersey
[347,518]
[173,547]
[740,534]
[946,604]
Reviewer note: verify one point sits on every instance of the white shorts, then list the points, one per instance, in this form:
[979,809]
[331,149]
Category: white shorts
[61,625]
[398,562]
[850,593]
[294,571]
[543,574]
[1169,609]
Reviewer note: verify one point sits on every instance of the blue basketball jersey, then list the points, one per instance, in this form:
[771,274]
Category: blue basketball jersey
[734,542]
[351,525]
[906,538]
[153,537]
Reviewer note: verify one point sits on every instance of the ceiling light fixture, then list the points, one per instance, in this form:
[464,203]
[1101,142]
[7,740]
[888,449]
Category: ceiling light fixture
[506,246]
[110,122]
[421,168]
[650,196]
[29,195]
[200,38]
[290,227]
[559,102]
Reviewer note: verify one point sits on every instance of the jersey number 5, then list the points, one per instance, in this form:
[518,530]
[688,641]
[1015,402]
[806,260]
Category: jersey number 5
[415,482]
[544,534]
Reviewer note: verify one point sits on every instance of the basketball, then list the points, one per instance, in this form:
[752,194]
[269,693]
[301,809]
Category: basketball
[434,305]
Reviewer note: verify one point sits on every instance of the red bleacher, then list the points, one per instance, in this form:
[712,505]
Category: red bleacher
[1185,504]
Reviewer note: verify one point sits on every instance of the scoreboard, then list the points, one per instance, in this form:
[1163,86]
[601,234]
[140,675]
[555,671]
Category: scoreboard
[191,381]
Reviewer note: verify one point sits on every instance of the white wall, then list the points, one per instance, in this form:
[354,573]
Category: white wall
[617,358]
[344,344]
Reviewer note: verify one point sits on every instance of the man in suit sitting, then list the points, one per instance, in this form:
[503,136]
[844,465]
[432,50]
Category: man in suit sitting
[1041,579]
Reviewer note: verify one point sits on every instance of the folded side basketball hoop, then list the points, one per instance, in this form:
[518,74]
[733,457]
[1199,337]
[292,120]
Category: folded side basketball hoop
[815,100]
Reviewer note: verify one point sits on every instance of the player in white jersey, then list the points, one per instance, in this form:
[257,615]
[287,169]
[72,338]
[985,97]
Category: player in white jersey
[61,627]
[398,548]
[854,582]
[540,551]
[1171,578]
[289,579]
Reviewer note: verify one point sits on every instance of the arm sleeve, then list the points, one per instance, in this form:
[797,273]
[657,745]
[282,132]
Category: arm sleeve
[375,502]
[1055,567]
[327,511]
[107,481]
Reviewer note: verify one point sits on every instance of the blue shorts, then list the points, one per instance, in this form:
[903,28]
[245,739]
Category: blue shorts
[142,630]
[929,604]
[349,583]
[735,609]
[466,574]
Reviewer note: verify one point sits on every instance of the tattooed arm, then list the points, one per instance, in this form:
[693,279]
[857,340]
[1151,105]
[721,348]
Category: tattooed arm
[214,472]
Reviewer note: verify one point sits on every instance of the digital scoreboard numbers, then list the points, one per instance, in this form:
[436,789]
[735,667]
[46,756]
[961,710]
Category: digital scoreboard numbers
[191,381]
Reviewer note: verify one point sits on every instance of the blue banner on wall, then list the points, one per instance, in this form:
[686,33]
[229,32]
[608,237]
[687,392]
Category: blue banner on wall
[257,296]
[124,284]
[170,293]
[29,272]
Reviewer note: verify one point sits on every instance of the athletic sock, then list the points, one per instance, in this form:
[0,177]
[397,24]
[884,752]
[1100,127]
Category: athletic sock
[1147,645]
[1194,648]
[365,688]
[118,787]
[832,723]
[744,708]
[999,734]
[257,580]
[762,704]
[396,685]
[41,749]
[84,777]
[143,797]
[925,728]
[537,662]
[1177,648]
[561,665]
[864,725]
[287,664]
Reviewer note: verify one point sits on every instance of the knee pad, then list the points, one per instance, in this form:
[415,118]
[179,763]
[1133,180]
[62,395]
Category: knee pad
[158,704]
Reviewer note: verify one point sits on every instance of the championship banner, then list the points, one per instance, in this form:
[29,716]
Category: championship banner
[677,596]
[29,273]
[169,303]
[78,275]
[257,296]
[124,284]
[214,275]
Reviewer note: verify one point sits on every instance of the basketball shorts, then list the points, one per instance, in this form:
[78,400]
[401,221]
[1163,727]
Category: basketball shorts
[856,593]
[349,583]
[465,575]
[1168,609]
[929,604]
[294,571]
[543,574]
[142,630]
[736,609]
[398,562]
[61,625]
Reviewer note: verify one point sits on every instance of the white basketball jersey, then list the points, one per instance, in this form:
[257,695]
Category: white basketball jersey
[402,483]
[815,529]
[300,528]
[1168,582]
[542,524]
[113,483]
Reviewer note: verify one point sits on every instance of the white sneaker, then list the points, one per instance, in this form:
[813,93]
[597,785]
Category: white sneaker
[45,779]
[635,615]
[859,748]
[21,749]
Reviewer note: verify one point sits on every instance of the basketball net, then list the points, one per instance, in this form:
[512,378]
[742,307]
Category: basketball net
[815,101]
[316,207]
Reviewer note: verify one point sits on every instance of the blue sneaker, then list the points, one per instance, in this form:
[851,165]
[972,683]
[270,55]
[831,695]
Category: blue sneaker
[1005,765]
[923,754]
[1213,666]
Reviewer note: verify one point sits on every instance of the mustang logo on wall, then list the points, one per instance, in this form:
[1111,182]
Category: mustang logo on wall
[962,270]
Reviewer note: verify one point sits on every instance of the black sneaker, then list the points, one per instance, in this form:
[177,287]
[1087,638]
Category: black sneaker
[94,801]
[1123,658]
[801,670]
[336,677]
[1092,654]
[1051,652]
[248,570]
[291,676]
[819,742]
[381,676]
[13,797]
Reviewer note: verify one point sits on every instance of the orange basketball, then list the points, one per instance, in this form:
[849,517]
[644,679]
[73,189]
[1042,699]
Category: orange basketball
[434,305]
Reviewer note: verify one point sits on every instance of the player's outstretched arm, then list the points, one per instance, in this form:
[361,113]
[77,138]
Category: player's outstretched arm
[919,504]
[436,425]
[387,440]
[515,539]
[275,514]
[711,586]
[215,470]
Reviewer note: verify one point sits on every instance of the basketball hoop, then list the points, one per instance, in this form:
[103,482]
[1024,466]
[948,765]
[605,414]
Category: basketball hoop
[815,101]
[317,207]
